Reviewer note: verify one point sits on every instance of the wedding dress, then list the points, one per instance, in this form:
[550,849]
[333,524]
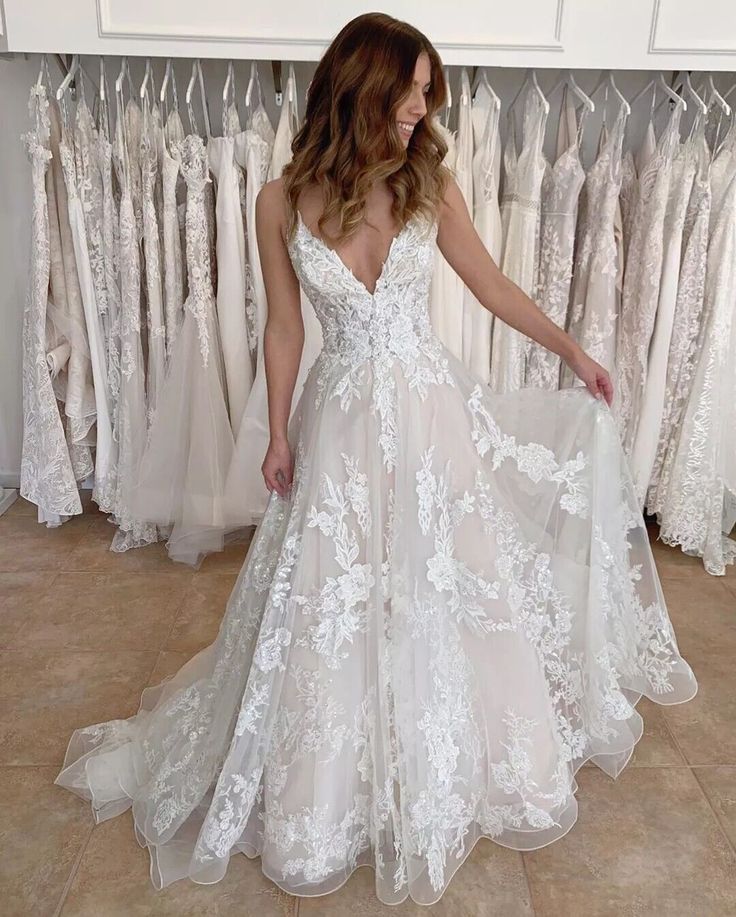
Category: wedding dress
[595,297]
[520,215]
[231,261]
[477,320]
[698,509]
[446,293]
[642,278]
[182,472]
[561,187]
[46,474]
[455,607]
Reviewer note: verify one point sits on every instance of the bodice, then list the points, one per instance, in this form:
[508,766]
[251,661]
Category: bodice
[370,336]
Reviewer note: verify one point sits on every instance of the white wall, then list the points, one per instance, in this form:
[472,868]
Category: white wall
[16,77]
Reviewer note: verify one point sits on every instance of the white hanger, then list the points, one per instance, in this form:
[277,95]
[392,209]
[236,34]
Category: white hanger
[197,73]
[487,84]
[124,71]
[146,77]
[659,83]
[569,78]
[229,81]
[608,81]
[67,81]
[531,78]
[716,97]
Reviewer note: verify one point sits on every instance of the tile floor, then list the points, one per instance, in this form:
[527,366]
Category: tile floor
[83,631]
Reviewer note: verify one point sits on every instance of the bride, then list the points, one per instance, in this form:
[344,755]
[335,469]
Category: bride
[450,604]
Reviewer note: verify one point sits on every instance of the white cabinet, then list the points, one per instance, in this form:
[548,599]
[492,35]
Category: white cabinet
[627,35]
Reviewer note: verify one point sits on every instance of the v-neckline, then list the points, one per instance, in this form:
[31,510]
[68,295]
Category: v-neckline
[333,253]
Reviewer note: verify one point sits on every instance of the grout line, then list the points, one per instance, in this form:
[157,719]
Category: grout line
[716,816]
[72,874]
[528,883]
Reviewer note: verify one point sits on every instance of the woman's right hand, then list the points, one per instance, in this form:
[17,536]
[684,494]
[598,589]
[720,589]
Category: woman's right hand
[278,467]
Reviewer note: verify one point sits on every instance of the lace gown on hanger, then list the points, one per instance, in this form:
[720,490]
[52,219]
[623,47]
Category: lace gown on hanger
[174,267]
[46,474]
[478,321]
[182,471]
[696,509]
[595,297]
[642,278]
[561,186]
[246,493]
[455,608]
[446,293]
[231,262]
[520,214]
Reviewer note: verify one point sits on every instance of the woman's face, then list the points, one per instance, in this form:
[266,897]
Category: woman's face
[414,107]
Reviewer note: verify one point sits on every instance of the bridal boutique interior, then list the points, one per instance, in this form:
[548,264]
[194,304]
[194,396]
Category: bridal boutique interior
[134,405]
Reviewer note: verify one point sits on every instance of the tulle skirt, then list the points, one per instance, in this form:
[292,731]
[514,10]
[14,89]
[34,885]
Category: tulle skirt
[417,652]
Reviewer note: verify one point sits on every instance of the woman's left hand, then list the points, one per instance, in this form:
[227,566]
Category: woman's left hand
[595,377]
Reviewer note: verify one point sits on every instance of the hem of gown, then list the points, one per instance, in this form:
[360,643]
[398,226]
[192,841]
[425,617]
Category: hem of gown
[622,756]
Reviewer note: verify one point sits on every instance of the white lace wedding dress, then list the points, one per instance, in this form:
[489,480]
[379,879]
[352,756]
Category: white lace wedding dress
[455,608]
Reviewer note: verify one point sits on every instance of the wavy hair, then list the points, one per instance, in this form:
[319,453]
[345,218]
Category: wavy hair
[349,138]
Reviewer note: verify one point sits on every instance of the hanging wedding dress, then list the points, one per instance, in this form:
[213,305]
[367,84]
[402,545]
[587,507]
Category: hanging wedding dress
[182,472]
[646,439]
[131,422]
[455,608]
[696,507]
[149,162]
[231,263]
[520,215]
[561,187]
[173,187]
[595,297]
[46,473]
[75,388]
[446,293]
[246,492]
[686,324]
[81,188]
[477,320]
[642,278]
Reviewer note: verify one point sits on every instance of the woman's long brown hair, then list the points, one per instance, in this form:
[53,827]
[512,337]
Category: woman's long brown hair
[349,138]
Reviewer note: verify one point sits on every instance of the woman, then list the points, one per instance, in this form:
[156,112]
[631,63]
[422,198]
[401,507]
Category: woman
[451,603]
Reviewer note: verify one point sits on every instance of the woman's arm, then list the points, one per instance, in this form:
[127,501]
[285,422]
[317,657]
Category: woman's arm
[467,255]
[284,332]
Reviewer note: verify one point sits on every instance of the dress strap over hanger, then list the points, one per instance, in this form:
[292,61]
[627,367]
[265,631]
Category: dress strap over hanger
[228,98]
[197,74]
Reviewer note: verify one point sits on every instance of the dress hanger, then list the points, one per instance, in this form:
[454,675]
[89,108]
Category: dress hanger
[147,77]
[607,81]
[448,104]
[486,83]
[226,91]
[197,73]
[531,80]
[254,81]
[568,78]
[659,83]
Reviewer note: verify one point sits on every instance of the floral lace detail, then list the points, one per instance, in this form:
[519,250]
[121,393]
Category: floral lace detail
[368,336]
[532,459]
[642,281]
[192,157]
[46,474]
[596,286]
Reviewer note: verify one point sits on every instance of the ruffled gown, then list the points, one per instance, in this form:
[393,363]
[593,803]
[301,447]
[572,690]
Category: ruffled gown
[454,609]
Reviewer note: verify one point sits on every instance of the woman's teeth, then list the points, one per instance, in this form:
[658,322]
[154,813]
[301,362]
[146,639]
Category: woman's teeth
[406,126]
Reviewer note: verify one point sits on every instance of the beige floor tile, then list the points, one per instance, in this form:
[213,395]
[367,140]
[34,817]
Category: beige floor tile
[26,546]
[656,748]
[113,881]
[41,833]
[98,611]
[93,554]
[719,785]
[21,507]
[20,592]
[647,843]
[230,560]
[45,695]
[202,611]
[490,883]
[704,616]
